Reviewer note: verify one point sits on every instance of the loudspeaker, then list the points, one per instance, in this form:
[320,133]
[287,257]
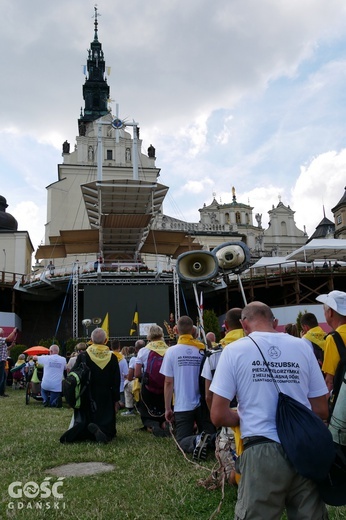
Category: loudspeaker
[196,266]
[96,321]
[86,323]
[232,256]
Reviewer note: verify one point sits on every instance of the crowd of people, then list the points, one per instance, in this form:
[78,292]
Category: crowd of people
[209,392]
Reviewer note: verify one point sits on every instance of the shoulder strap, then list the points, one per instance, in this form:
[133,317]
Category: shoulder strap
[340,346]
[209,353]
[315,346]
[83,356]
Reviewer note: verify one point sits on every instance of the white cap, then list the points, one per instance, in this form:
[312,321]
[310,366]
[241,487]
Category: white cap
[336,300]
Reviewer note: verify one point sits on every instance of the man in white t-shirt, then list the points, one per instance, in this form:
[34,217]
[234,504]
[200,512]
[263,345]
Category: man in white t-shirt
[181,368]
[268,481]
[53,374]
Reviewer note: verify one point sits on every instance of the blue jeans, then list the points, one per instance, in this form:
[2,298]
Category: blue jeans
[51,398]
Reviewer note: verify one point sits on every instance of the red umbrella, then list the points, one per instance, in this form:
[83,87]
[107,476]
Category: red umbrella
[36,351]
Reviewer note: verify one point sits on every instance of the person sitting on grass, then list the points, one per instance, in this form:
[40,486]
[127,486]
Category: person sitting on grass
[18,372]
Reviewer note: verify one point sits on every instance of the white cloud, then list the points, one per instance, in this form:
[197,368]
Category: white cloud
[27,212]
[321,183]
[229,93]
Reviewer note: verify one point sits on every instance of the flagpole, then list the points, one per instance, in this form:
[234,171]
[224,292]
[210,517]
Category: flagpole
[199,313]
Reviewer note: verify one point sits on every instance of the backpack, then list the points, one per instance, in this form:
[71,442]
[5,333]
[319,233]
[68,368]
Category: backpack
[332,489]
[205,359]
[76,383]
[305,438]
[153,380]
[319,354]
[340,370]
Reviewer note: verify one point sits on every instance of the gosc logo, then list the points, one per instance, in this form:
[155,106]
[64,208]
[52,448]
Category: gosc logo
[46,489]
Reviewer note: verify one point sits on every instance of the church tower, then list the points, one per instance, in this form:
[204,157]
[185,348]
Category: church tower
[106,194]
[339,212]
[95,88]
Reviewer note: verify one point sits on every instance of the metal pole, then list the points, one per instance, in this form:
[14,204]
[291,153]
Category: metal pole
[75,300]
[242,290]
[135,152]
[199,312]
[176,295]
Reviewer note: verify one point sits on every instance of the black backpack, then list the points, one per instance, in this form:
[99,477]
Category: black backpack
[340,370]
[77,383]
[319,354]
[153,380]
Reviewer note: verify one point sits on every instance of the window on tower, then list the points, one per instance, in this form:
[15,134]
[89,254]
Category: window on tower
[109,155]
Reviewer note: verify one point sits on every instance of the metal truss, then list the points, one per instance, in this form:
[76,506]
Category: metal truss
[75,280]
[176,295]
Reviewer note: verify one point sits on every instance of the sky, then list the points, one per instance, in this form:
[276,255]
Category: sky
[230,93]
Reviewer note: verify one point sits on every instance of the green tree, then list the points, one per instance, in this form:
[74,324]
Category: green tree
[16,350]
[299,327]
[48,342]
[211,323]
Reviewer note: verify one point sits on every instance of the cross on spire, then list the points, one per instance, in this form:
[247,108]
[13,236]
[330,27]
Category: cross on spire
[96,22]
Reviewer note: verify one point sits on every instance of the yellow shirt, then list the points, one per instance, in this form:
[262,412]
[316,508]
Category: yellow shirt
[316,335]
[331,354]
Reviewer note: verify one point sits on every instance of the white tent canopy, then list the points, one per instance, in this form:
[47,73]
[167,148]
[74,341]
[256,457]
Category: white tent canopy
[320,249]
[275,261]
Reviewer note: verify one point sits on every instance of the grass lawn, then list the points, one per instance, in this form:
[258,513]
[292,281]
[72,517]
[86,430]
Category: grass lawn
[151,479]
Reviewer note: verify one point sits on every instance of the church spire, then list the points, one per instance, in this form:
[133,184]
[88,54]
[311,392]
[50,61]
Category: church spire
[95,24]
[95,88]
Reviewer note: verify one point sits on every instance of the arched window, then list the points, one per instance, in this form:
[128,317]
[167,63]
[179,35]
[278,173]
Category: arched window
[283,228]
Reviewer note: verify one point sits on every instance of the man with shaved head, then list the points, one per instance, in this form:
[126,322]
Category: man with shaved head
[268,483]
